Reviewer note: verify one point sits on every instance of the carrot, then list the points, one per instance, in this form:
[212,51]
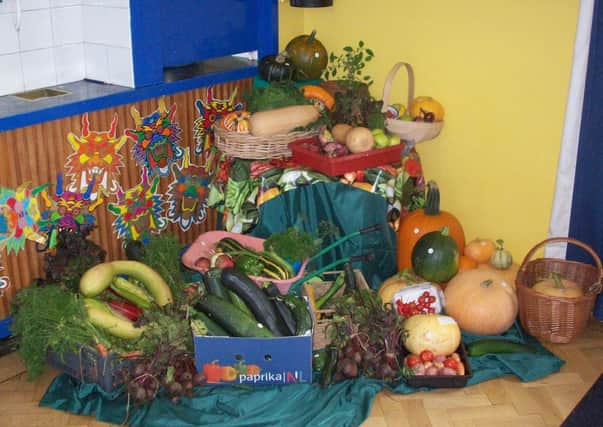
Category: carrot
[102,349]
[317,92]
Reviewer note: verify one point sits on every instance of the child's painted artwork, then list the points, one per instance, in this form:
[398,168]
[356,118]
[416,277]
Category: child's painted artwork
[211,110]
[19,216]
[156,139]
[139,210]
[95,158]
[4,280]
[187,198]
[67,210]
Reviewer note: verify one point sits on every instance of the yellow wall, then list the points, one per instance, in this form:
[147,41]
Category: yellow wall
[501,68]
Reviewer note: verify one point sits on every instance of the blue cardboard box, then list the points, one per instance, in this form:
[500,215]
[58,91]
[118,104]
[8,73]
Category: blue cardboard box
[254,361]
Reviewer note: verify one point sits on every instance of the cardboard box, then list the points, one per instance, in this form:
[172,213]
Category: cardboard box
[254,361]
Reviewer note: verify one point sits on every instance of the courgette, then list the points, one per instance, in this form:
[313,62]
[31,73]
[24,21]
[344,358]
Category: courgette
[303,317]
[485,346]
[131,292]
[213,283]
[282,308]
[212,327]
[256,300]
[238,302]
[98,278]
[233,320]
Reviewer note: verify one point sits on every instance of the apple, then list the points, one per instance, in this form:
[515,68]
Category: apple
[394,140]
[406,118]
[381,140]
[377,131]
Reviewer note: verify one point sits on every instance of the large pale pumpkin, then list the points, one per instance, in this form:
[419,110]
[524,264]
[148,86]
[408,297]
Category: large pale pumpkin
[422,221]
[435,332]
[481,301]
[509,274]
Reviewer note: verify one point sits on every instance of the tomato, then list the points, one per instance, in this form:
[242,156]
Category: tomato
[426,356]
[451,363]
[412,360]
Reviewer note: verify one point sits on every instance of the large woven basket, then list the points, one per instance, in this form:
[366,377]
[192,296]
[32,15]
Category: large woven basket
[408,130]
[552,318]
[247,146]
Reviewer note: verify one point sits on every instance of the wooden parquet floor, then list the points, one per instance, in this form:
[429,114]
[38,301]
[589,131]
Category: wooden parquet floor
[500,402]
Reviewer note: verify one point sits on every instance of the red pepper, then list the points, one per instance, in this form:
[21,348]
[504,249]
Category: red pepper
[126,309]
[212,372]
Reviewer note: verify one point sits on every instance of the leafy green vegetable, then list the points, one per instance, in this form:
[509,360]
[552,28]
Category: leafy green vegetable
[275,95]
[240,170]
[50,318]
[162,254]
[249,265]
[292,244]
[164,330]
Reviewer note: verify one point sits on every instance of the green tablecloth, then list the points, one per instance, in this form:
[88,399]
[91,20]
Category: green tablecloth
[343,404]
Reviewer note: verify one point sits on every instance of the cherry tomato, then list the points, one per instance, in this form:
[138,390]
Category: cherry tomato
[451,363]
[412,360]
[426,356]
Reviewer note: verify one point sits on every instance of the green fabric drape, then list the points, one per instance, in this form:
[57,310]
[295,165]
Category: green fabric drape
[343,404]
[346,208]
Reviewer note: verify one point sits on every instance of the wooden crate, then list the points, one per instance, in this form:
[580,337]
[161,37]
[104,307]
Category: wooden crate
[323,317]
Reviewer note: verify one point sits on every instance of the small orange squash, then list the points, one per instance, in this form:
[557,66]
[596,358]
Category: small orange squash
[480,250]
[556,286]
[422,221]
[481,301]
[466,263]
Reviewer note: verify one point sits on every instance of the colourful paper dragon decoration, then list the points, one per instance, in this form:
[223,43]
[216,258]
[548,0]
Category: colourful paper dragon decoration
[4,280]
[95,159]
[67,210]
[187,194]
[19,216]
[156,139]
[139,210]
[211,109]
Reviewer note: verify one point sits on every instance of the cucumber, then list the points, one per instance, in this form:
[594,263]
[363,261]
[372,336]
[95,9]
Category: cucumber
[131,292]
[212,327]
[101,316]
[98,278]
[485,346]
[214,285]
[239,303]
[303,317]
[257,301]
[282,308]
[231,318]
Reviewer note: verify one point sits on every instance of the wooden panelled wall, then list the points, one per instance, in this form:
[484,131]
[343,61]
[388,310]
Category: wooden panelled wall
[36,153]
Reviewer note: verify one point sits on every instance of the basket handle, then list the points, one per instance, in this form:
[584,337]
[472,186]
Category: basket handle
[595,287]
[389,80]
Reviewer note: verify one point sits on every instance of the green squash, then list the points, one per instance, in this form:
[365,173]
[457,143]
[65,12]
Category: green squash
[308,55]
[435,256]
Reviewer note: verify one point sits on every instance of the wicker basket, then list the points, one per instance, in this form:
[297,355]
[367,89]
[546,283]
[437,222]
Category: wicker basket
[320,335]
[407,130]
[247,146]
[552,318]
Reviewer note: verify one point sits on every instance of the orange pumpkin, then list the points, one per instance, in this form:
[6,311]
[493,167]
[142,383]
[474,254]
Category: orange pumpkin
[236,121]
[466,263]
[422,221]
[481,301]
[480,250]
[508,274]
[229,373]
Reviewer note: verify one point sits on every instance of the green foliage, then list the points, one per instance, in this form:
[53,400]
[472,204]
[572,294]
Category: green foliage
[350,64]
[165,330]
[275,95]
[292,244]
[162,254]
[50,318]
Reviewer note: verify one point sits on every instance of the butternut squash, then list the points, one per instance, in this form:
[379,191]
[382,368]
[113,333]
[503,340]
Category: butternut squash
[282,120]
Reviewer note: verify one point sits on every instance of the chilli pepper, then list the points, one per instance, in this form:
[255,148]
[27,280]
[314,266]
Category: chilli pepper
[126,309]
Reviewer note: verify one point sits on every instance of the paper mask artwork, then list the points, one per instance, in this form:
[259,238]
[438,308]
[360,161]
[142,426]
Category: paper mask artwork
[19,216]
[187,199]
[211,110]
[95,158]
[4,280]
[67,210]
[139,210]
[156,139]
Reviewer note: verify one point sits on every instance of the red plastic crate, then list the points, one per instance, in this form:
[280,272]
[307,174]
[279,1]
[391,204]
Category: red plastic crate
[335,166]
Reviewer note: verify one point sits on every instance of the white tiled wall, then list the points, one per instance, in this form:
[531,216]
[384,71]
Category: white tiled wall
[59,41]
